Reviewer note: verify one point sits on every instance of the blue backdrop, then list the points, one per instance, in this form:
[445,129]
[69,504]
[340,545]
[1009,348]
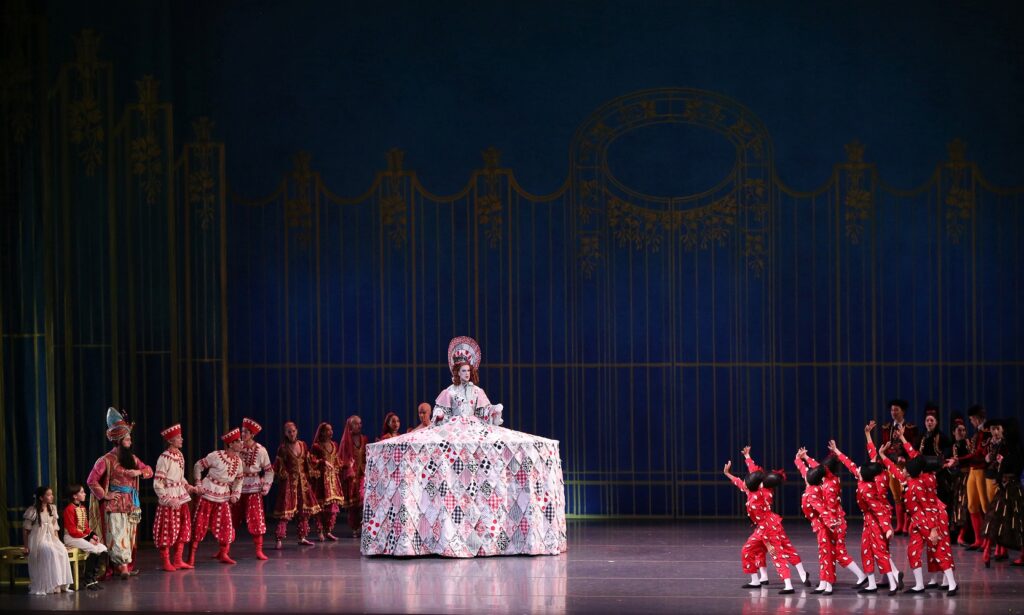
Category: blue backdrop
[674,230]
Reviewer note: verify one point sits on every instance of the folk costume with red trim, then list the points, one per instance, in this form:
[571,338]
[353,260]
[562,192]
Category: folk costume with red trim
[172,526]
[353,461]
[329,490]
[296,498]
[257,478]
[221,486]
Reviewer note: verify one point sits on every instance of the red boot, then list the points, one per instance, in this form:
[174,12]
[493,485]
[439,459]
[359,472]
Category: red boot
[177,562]
[165,559]
[192,555]
[223,556]
[960,539]
[258,541]
[979,541]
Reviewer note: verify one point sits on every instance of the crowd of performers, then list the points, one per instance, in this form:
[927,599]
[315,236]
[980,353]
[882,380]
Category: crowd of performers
[942,487]
[967,488]
[226,493]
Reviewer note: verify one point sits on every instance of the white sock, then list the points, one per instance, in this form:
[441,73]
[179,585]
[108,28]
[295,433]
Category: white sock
[871,581]
[894,579]
[892,564]
[934,580]
[821,586]
[800,570]
[855,569]
[828,587]
[754,579]
[762,574]
[948,572]
[789,583]
[918,578]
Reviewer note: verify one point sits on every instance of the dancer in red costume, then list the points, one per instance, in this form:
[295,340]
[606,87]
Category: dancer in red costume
[824,521]
[833,493]
[295,497]
[353,460]
[929,523]
[257,478]
[221,488]
[172,527]
[329,491]
[768,536]
[872,483]
[772,480]
[115,510]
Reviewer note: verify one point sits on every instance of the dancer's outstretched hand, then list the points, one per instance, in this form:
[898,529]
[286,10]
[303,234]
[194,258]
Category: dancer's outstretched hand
[870,426]
[725,468]
[832,446]
[745,450]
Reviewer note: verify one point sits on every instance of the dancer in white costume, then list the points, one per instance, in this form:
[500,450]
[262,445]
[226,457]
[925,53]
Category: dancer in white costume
[464,486]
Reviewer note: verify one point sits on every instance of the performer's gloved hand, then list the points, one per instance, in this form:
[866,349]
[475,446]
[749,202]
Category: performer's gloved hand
[495,415]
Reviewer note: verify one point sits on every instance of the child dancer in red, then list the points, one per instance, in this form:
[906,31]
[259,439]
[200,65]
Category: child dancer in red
[772,480]
[767,528]
[929,523]
[830,485]
[872,484]
[824,521]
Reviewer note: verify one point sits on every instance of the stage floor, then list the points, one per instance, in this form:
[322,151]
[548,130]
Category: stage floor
[611,566]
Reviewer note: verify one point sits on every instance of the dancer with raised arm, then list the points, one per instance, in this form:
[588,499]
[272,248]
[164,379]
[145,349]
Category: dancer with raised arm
[871,486]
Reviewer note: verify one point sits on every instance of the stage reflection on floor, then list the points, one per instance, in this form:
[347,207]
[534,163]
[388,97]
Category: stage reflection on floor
[665,567]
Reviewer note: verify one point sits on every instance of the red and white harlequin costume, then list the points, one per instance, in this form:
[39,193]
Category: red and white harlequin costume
[172,527]
[221,486]
[257,477]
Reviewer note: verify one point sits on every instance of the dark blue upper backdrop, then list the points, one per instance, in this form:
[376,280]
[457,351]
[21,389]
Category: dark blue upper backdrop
[443,80]
[791,286]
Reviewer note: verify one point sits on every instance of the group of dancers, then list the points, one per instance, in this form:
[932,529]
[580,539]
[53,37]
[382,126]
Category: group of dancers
[941,487]
[227,491]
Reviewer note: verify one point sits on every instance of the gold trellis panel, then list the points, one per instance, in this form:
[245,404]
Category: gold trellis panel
[737,207]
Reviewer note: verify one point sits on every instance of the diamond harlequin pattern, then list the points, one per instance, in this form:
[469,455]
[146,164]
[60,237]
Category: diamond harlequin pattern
[464,489]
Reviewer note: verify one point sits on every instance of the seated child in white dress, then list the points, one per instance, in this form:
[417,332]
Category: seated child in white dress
[49,568]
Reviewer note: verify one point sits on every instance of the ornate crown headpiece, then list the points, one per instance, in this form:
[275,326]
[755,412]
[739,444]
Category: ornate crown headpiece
[464,350]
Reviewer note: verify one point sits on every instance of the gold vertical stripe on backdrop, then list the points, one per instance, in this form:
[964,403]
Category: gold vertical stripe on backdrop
[187,359]
[49,297]
[63,120]
[222,271]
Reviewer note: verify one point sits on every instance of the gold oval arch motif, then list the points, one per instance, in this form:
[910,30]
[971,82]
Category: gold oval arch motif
[734,213]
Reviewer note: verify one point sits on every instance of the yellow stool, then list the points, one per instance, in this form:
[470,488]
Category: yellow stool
[15,556]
